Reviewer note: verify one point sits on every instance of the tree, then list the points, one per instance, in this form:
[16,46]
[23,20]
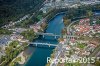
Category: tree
[97,63]
[66,21]
[2,58]
[48,64]
[44,25]
[89,13]
[0,49]
[15,9]
[14,44]
[64,31]
[98,22]
[5,31]
[29,34]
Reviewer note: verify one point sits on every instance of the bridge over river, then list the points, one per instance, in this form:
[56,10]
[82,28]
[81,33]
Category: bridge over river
[37,44]
[42,44]
[39,57]
[55,35]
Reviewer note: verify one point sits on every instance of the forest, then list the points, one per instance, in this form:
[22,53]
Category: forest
[11,10]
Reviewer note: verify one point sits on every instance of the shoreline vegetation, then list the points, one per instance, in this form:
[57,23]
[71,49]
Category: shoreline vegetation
[20,59]
[12,51]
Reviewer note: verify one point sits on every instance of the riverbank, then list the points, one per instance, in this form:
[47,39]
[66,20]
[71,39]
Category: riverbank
[22,58]
[26,55]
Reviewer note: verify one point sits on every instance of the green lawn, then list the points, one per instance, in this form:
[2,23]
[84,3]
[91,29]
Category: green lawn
[39,17]
[79,45]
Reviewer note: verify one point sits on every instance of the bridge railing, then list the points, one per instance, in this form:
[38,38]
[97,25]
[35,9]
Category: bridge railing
[43,44]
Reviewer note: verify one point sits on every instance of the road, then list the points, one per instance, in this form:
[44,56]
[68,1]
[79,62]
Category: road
[57,54]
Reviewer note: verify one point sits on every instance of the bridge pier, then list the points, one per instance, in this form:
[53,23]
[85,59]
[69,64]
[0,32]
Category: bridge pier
[55,37]
[49,45]
[60,36]
[36,45]
[43,36]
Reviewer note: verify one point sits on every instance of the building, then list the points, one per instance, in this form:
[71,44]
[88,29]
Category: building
[15,37]
[4,41]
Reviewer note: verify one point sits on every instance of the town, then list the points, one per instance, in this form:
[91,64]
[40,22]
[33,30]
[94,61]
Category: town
[78,38]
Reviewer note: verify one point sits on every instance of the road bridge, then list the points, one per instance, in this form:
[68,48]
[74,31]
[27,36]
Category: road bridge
[55,35]
[49,34]
[42,44]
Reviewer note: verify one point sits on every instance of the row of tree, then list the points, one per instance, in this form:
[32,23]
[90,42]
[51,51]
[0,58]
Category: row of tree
[5,31]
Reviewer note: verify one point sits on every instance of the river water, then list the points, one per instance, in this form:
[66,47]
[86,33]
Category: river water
[39,56]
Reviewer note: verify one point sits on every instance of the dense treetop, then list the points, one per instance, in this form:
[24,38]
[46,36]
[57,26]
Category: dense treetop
[14,9]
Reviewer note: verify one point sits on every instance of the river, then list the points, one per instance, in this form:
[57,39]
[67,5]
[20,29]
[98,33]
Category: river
[39,56]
